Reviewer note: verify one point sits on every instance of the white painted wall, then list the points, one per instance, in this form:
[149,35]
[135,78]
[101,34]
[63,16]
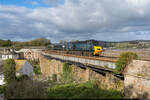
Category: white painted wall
[4,57]
[2,79]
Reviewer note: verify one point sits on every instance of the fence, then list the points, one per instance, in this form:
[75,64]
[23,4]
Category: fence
[143,54]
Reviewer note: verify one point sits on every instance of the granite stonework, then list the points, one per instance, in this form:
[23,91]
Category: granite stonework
[137,79]
[49,67]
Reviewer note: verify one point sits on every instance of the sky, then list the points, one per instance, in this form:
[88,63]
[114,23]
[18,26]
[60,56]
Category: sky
[107,20]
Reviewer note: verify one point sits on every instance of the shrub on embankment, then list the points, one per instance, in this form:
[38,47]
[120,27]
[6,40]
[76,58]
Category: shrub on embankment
[124,59]
[68,88]
[2,89]
[67,74]
[81,91]
[26,88]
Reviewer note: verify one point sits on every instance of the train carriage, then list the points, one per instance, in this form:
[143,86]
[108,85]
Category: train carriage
[89,47]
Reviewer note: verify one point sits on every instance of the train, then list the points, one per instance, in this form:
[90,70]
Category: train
[88,47]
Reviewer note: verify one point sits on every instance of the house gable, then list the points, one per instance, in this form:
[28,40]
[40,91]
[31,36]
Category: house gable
[24,67]
[27,69]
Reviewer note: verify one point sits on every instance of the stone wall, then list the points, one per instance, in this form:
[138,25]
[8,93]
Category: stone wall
[50,67]
[79,73]
[137,79]
[108,80]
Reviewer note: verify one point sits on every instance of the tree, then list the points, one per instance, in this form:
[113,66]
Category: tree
[63,41]
[5,43]
[9,70]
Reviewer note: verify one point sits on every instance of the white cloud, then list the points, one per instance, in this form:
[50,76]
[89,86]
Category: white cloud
[78,19]
[52,2]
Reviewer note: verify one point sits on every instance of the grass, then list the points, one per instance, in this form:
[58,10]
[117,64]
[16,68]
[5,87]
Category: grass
[82,91]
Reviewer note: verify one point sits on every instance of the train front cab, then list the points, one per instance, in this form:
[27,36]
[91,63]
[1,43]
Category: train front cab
[98,51]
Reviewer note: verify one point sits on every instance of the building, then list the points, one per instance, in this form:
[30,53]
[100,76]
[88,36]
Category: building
[10,54]
[23,67]
[29,54]
[4,50]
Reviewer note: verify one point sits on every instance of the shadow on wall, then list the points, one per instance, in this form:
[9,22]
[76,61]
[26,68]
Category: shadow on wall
[131,92]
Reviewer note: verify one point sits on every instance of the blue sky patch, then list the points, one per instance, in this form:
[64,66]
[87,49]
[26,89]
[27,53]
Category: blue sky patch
[27,3]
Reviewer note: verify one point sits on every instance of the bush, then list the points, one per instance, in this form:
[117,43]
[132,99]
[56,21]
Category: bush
[66,68]
[54,77]
[36,66]
[9,70]
[67,75]
[26,89]
[23,77]
[81,91]
[124,60]
[37,70]
[2,89]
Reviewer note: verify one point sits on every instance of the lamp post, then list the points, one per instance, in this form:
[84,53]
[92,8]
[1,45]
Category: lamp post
[63,50]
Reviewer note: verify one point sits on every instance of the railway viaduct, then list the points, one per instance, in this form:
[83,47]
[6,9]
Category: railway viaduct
[84,69]
[135,82]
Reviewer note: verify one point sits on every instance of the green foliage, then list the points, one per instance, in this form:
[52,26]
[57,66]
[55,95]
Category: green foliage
[37,70]
[105,66]
[140,74]
[26,89]
[66,68]
[36,42]
[5,43]
[124,59]
[34,62]
[67,75]
[81,91]
[9,70]
[36,66]
[22,77]
[18,45]
[54,77]
[2,89]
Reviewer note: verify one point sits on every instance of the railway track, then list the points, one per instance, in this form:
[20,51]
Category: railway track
[103,58]
[106,55]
